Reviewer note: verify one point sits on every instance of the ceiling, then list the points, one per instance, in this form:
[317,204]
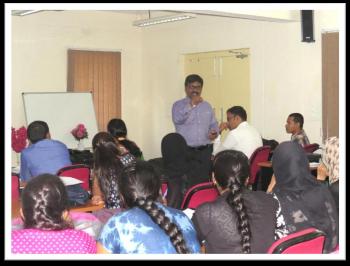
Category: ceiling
[263,15]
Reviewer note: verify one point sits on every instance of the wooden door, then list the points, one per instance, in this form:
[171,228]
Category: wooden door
[330,84]
[97,72]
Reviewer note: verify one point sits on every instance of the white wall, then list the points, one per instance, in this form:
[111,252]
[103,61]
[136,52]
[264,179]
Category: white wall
[285,73]
[39,54]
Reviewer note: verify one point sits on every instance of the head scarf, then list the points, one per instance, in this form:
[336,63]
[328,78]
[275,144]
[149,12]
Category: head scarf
[175,155]
[330,158]
[291,169]
[304,201]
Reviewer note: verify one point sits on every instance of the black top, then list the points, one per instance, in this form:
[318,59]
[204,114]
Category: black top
[304,201]
[216,223]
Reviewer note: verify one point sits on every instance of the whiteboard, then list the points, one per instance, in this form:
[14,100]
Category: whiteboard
[62,111]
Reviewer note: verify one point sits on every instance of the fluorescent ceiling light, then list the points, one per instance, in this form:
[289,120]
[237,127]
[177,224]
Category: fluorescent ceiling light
[165,19]
[23,12]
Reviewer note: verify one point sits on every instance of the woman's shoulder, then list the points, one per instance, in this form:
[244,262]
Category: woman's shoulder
[260,198]
[219,205]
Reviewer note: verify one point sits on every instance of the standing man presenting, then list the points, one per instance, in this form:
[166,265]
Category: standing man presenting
[195,120]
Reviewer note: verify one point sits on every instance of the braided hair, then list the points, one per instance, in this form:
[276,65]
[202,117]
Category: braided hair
[44,199]
[231,170]
[107,166]
[139,186]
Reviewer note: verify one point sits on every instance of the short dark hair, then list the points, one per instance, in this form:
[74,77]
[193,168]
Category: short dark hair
[117,128]
[37,130]
[193,78]
[298,118]
[238,110]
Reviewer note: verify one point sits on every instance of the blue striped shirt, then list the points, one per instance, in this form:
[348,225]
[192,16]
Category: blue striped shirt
[194,123]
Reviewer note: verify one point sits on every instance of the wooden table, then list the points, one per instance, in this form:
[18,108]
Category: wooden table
[268,164]
[267,172]
[88,207]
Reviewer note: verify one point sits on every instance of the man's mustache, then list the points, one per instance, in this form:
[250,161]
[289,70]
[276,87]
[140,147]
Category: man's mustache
[195,93]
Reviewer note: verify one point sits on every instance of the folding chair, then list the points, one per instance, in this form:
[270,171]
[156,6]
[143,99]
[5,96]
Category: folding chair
[307,241]
[15,186]
[78,171]
[261,154]
[198,194]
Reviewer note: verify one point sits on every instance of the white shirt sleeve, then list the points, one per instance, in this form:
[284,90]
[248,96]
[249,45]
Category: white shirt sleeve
[229,143]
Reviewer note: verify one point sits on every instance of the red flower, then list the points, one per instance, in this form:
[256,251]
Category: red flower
[19,139]
[79,132]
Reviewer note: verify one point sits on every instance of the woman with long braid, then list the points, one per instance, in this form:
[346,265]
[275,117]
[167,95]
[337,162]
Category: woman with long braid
[239,220]
[147,226]
[108,162]
[48,227]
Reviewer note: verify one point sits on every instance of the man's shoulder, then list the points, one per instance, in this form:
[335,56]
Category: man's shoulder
[182,100]
[56,144]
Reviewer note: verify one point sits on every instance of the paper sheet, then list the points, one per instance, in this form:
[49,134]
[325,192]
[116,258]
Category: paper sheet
[189,212]
[69,181]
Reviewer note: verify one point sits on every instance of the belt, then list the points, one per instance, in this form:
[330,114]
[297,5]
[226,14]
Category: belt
[200,148]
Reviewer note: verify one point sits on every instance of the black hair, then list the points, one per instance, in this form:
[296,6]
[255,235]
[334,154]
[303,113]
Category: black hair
[37,131]
[44,199]
[298,118]
[238,110]
[231,170]
[107,165]
[139,186]
[193,78]
[117,128]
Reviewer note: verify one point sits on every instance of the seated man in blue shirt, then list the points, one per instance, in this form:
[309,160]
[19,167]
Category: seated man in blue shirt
[43,155]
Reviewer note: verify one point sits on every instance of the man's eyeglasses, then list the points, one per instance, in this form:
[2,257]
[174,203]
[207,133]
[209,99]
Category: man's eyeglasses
[195,87]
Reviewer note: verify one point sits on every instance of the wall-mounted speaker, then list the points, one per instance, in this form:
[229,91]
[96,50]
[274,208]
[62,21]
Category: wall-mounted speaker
[307,25]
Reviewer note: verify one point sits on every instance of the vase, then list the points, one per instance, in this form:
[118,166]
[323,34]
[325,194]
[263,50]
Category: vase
[80,145]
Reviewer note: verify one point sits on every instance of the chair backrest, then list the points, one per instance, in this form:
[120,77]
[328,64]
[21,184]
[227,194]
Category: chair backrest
[310,148]
[307,241]
[15,186]
[198,194]
[78,171]
[164,188]
[261,154]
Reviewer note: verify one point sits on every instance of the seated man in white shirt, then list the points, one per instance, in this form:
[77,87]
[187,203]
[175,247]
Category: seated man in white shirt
[242,136]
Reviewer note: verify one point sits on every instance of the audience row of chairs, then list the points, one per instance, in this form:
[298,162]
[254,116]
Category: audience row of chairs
[308,241]
[82,172]
[78,171]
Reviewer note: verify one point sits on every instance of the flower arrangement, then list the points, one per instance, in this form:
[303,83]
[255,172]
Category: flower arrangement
[79,132]
[19,139]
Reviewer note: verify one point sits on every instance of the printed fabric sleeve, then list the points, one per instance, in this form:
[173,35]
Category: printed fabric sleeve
[109,237]
[281,228]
